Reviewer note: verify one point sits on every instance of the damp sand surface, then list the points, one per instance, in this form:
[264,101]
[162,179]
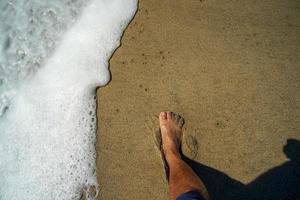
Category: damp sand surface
[230,68]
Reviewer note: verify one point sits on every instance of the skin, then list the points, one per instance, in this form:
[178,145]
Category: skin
[182,178]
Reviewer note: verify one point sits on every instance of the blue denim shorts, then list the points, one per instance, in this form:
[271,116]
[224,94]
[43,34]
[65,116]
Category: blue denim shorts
[192,195]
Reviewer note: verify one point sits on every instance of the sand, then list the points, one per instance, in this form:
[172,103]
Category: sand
[230,68]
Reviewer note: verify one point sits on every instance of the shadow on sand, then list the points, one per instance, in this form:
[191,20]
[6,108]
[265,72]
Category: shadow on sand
[278,183]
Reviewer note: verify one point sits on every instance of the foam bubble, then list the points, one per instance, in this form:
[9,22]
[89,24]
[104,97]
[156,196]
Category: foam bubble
[30,31]
[47,136]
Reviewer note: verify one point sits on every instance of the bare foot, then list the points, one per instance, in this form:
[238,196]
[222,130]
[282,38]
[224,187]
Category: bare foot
[171,132]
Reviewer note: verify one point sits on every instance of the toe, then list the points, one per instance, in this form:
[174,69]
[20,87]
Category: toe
[169,115]
[163,116]
[162,119]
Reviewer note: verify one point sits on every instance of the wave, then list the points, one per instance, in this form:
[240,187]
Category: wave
[47,134]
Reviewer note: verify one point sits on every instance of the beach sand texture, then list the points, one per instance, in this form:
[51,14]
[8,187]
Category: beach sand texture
[230,68]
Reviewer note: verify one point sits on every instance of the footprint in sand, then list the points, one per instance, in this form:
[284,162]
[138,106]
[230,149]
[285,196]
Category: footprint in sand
[190,146]
[153,128]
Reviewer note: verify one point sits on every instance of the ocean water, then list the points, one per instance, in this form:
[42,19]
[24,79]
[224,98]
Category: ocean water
[53,56]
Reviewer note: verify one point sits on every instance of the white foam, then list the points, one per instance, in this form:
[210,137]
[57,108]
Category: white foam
[47,137]
[30,31]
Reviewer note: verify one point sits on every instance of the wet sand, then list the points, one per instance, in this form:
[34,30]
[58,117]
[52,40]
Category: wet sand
[230,68]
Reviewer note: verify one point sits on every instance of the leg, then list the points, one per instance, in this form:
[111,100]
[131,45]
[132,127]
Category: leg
[182,178]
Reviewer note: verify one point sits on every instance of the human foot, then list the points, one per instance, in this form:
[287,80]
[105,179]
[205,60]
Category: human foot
[171,132]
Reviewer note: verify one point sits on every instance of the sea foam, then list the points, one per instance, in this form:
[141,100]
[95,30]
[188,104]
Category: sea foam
[47,134]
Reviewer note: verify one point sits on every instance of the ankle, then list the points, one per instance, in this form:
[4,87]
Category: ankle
[172,155]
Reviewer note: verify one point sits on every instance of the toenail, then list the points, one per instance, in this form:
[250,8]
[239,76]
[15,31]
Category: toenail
[163,114]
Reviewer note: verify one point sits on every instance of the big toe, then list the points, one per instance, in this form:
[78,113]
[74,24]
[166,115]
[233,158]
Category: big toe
[162,117]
